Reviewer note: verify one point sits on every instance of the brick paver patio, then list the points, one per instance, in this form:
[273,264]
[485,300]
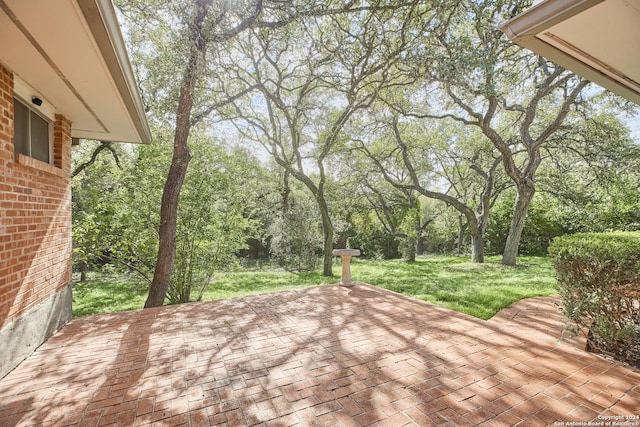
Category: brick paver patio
[327,355]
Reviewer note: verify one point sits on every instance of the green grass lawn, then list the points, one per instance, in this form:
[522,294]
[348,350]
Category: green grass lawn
[106,295]
[480,290]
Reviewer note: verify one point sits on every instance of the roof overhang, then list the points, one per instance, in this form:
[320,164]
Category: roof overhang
[72,55]
[597,39]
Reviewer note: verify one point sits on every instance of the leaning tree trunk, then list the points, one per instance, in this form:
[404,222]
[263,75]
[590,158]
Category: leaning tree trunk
[179,163]
[520,208]
[167,232]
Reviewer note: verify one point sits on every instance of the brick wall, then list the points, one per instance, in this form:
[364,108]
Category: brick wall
[35,218]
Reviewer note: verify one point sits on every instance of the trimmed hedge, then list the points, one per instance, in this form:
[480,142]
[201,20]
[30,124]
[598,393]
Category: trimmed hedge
[599,284]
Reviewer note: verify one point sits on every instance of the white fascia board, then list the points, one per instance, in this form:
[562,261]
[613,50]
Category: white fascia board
[531,30]
[101,17]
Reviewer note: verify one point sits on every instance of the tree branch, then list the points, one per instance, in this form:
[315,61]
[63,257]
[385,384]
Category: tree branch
[104,145]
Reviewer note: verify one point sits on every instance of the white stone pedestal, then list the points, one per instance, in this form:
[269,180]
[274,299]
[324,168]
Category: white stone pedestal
[346,255]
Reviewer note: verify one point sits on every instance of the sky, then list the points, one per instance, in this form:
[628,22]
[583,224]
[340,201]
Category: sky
[634,126]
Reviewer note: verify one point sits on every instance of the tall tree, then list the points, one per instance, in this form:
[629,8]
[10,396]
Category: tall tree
[519,101]
[312,80]
[202,22]
[181,156]
[414,160]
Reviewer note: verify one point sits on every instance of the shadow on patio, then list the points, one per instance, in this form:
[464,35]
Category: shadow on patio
[327,355]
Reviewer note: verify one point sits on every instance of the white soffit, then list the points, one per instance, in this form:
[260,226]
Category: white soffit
[597,39]
[72,55]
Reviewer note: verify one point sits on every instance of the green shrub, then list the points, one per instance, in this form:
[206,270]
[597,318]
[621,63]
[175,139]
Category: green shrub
[599,282]
[374,241]
[296,238]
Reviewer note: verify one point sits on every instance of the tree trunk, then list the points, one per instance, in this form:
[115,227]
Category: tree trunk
[327,265]
[520,208]
[286,191]
[327,231]
[462,228]
[411,249]
[476,230]
[477,246]
[179,163]
[419,246]
[168,225]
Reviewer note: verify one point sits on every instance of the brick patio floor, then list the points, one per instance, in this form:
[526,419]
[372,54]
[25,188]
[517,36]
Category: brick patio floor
[320,356]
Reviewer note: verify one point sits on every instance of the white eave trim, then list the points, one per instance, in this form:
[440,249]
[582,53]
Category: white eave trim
[529,30]
[543,16]
[101,18]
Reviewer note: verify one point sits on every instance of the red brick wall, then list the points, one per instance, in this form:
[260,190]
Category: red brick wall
[35,216]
